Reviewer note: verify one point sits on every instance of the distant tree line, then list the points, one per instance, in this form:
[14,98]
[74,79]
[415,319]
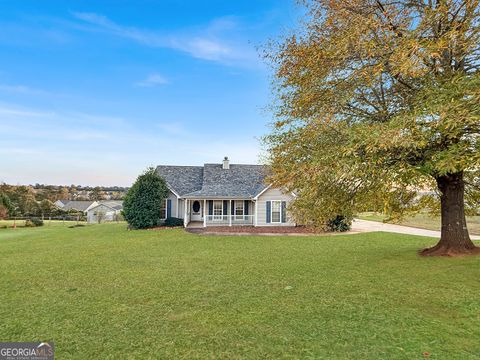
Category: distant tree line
[38,200]
[79,192]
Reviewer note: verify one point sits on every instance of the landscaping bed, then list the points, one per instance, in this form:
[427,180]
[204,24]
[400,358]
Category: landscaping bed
[255,230]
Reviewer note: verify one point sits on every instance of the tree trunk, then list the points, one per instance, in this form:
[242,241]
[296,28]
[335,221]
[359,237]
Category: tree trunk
[454,239]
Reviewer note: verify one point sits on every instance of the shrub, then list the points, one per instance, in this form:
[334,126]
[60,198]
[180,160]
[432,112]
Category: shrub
[339,224]
[144,200]
[173,221]
[36,221]
[119,217]
[33,222]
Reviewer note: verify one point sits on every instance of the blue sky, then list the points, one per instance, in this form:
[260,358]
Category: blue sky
[93,92]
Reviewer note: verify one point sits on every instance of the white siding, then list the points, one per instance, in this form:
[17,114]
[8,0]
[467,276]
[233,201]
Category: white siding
[173,198]
[181,209]
[109,214]
[272,194]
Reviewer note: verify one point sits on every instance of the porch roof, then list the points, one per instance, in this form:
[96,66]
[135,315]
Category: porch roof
[196,196]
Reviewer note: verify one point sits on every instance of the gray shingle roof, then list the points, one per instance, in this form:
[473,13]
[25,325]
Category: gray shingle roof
[211,180]
[114,204]
[182,179]
[79,205]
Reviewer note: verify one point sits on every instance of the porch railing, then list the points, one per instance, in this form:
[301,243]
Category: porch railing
[227,220]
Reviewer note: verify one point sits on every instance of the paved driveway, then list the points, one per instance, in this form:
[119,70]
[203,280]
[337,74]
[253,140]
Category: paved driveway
[370,226]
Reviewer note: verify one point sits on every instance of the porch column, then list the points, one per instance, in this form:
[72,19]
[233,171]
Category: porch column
[204,212]
[256,212]
[185,220]
[230,210]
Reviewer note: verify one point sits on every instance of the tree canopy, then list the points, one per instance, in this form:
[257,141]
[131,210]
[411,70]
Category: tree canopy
[144,200]
[6,206]
[379,102]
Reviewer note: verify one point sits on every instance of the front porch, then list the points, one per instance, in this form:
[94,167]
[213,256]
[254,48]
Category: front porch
[219,212]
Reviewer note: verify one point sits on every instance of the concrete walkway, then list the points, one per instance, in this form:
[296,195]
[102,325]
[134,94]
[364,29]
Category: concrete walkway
[370,226]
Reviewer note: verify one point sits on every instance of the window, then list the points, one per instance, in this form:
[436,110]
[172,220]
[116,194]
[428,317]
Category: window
[217,209]
[239,209]
[163,210]
[276,211]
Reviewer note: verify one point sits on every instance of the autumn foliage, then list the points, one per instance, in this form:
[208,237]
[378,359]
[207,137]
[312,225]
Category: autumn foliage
[379,101]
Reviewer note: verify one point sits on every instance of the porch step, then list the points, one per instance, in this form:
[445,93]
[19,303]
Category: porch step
[195,224]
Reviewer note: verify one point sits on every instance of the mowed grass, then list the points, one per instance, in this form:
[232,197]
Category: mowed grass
[21,223]
[425,221]
[102,292]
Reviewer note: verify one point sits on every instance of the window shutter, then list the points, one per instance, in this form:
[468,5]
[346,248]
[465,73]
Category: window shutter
[232,210]
[284,211]
[225,207]
[210,207]
[245,206]
[269,212]
[169,208]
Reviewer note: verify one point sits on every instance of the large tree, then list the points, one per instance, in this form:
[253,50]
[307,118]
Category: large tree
[379,101]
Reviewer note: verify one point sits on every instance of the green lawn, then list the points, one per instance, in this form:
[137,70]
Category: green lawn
[425,221]
[102,292]
[21,223]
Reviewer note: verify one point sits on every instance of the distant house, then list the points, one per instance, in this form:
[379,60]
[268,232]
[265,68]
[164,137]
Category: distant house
[78,205]
[108,210]
[224,194]
[61,203]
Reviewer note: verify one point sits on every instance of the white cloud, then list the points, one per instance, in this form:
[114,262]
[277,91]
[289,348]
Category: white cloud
[22,89]
[95,19]
[96,149]
[206,49]
[172,127]
[152,80]
[40,125]
[102,22]
[6,110]
[30,91]
[17,151]
[216,42]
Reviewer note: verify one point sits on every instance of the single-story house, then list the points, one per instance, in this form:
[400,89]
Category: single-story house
[103,211]
[224,194]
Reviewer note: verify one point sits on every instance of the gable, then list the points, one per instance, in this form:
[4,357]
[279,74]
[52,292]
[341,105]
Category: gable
[211,180]
[275,194]
[182,179]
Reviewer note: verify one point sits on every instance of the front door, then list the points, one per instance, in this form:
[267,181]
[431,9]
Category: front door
[196,211]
